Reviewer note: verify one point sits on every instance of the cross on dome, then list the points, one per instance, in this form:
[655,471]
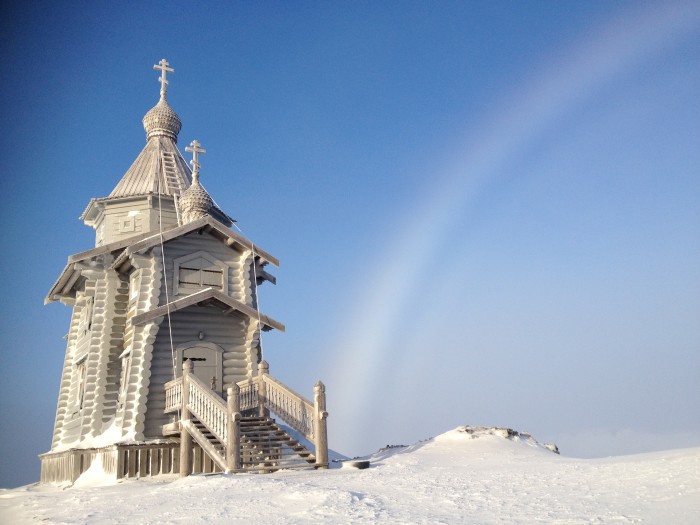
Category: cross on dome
[164,69]
[195,149]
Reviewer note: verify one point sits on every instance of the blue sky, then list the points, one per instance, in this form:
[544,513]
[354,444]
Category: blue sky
[486,212]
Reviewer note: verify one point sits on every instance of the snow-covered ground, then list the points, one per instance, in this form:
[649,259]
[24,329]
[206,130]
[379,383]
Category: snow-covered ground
[463,476]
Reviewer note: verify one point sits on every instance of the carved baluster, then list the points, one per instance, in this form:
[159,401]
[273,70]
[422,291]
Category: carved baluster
[320,416]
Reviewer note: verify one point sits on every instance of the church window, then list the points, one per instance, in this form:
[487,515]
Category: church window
[81,371]
[200,270]
[86,316]
[126,365]
[134,289]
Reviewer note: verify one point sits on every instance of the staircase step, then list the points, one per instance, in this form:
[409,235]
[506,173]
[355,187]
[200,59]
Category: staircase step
[265,447]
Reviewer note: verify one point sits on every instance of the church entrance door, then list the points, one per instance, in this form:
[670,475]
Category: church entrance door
[207,361]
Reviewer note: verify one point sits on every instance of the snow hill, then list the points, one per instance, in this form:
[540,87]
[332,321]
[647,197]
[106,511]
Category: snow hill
[467,475]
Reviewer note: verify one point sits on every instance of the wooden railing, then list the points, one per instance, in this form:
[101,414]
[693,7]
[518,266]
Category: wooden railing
[249,395]
[263,394]
[173,395]
[291,408]
[208,407]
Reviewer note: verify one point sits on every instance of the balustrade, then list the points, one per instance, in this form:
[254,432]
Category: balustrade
[293,409]
[248,395]
[208,407]
[173,395]
[263,393]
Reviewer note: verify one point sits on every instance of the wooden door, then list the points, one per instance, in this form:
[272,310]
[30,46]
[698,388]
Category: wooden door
[207,363]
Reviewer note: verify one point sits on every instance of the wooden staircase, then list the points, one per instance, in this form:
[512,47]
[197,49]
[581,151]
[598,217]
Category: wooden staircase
[238,435]
[265,447]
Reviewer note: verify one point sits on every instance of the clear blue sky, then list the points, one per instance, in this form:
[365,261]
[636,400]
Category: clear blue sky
[487,213]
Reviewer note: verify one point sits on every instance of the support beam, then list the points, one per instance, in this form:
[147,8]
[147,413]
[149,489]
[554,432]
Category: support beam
[263,370]
[233,438]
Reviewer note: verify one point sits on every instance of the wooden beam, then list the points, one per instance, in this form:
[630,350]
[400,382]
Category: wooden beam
[206,295]
[212,226]
[107,248]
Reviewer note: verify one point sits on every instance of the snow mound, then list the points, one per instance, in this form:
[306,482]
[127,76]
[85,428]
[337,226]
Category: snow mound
[468,433]
[467,447]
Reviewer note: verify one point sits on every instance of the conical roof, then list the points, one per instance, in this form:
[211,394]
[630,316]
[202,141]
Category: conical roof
[159,168]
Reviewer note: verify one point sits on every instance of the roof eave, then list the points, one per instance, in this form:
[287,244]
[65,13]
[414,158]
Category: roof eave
[208,295]
[211,225]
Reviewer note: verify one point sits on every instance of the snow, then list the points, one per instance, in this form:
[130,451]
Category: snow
[111,434]
[467,475]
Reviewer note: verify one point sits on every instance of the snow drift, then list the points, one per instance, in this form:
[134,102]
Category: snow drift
[467,475]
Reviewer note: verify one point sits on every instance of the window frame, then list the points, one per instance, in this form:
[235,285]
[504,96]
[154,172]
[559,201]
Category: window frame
[186,289]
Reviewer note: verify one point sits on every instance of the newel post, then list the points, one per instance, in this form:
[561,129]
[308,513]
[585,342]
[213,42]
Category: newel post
[185,439]
[233,429]
[263,370]
[321,434]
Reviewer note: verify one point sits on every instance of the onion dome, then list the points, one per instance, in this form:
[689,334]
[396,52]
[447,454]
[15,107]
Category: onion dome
[195,202]
[161,120]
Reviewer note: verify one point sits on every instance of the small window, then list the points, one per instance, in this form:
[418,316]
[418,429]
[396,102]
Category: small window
[201,273]
[86,316]
[134,287]
[126,365]
[81,370]
[200,270]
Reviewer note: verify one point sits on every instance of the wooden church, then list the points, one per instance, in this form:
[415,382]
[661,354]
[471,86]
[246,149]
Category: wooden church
[163,372]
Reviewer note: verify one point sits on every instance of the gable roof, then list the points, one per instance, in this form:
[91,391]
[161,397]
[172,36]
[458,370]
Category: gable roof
[138,243]
[208,225]
[208,296]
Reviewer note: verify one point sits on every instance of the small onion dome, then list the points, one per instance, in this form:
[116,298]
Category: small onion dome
[195,202]
[161,120]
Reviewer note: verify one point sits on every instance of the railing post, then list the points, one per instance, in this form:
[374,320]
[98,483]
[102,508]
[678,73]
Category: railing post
[263,370]
[321,430]
[185,438]
[233,430]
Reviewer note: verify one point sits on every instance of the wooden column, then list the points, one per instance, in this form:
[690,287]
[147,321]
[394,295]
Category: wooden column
[233,430]
[263,370]
[185,438]
[321,434]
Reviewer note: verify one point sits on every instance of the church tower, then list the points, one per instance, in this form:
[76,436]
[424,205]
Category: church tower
[168,282]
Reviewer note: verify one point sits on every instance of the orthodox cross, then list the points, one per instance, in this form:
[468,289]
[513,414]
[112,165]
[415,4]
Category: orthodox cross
[164,69]
[195,149]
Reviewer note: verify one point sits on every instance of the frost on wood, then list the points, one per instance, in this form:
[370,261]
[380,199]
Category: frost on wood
[169,282]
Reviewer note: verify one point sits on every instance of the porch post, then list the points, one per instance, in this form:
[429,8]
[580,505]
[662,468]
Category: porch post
[321,430]
[263,370]
[233,430]
[185,438]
